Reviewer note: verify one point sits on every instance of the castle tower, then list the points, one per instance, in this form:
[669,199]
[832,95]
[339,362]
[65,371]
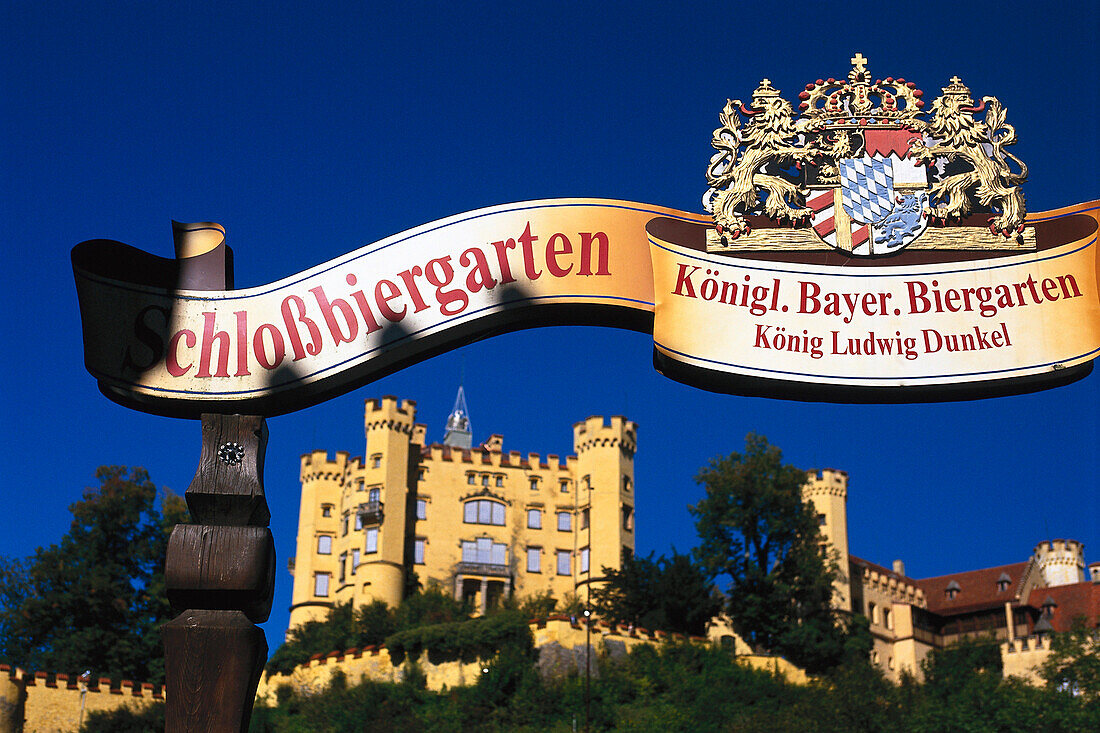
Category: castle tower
[315,565]
[827,491]
[389,472]
[1061,562]
[604,490]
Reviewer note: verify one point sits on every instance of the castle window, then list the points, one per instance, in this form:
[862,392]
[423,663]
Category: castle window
[326,510]
[421,508]
[534,560]
[484,552]
[421,474]
[584,559]
[354,561]
[372,540]
[952,590]
[628,518]
[343,564]
[374,494]
[376,460]
[626,484]
[485,479]
[500,481]
[874,656]
[586,483]
[564,483]
[361,485]
[471,479]
[887,619]
[358,521]
[418,550]
[320,584]
[1003,582]
[821,519]
[344,525]
[565,521]
[534,484]
[871,613]
[563,562]
[584,519]
[324,545]
[484,511]
[534,519]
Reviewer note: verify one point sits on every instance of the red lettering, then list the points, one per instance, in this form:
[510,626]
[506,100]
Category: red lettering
[553,252]
[331,321]
[587,239]
[290,319]
[242,344]
[209,336]
[410,284]
[527,240]
[171,361]
[277,349]
[383,300]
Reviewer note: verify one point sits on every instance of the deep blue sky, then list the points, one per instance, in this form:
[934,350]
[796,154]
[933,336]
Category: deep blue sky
[309,133]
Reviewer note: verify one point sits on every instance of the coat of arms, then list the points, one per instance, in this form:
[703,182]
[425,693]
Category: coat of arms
[865,170]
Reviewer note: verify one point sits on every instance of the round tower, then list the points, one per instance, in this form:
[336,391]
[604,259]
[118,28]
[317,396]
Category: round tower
[388,475]
[1061,562]
[827,491]
[314,566]
[605,496]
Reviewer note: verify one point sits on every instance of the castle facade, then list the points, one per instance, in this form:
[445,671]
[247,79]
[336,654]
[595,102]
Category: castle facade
[478,521]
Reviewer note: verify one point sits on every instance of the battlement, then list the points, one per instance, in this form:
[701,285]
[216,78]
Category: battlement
[1094,572]
[1059,547]
[826,481]
[388,414]
[317,465]
[485,457]
[595,432]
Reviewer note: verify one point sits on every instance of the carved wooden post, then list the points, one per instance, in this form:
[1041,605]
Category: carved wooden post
[220,573]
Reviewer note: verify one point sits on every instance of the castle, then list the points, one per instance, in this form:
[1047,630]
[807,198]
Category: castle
[477,521]
[1017,604]
[484,524]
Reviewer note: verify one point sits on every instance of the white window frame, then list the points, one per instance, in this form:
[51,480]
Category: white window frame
[372,540]
[421,509]
[563,560]
[536,515]
[584,559]
[534,559]
[321,584]
[324,544]
[419,547]
[565,518]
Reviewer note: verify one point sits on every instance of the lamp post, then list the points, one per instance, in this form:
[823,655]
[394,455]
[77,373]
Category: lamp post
[587,665]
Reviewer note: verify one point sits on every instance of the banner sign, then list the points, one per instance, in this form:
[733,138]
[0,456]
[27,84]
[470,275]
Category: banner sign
[843,257]
[724,322]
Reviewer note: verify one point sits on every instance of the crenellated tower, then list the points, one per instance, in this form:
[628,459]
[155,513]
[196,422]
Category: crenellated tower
[324,482]
[389,473]
[604,489]
[1061,562]
[827,491]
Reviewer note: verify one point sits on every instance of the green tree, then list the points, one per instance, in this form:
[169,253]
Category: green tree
[669,593]
[96,599]
[1074,662]
[755,529]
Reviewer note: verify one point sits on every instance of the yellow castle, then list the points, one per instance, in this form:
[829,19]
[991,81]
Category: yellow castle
[479,522]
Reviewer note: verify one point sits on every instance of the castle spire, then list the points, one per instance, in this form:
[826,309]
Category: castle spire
[458,433]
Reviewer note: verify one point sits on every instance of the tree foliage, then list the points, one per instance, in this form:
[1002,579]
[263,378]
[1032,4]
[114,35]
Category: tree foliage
[669,593]
[755,529]
[1074,662]
[96,599]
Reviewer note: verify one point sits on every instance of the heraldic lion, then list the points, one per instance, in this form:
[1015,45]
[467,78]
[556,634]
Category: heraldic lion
[963,138]
[765,139]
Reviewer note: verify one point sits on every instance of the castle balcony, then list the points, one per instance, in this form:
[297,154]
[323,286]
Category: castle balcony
[370,512]
[484,569]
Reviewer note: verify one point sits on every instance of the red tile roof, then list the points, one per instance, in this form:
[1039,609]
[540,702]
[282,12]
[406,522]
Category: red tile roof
[1076,599]
[977,589]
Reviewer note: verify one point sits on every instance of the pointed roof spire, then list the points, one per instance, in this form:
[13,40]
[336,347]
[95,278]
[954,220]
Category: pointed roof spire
[458,433]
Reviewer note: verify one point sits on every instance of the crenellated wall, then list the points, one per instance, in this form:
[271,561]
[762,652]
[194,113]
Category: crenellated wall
[556,635]
[42,702]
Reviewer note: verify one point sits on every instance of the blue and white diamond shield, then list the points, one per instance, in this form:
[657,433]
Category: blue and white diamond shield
[868,197]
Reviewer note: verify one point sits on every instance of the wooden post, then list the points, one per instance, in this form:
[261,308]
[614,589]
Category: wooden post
[220,574]
[220,571]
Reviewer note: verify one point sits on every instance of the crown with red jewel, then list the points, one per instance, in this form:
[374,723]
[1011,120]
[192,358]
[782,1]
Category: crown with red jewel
[858,101]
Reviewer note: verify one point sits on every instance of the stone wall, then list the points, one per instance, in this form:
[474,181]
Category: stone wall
[561,643]
[52,703]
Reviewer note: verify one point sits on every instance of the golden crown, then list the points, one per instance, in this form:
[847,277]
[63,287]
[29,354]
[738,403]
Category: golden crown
[857,100]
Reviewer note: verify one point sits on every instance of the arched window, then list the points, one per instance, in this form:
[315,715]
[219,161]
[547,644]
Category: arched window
[483,511]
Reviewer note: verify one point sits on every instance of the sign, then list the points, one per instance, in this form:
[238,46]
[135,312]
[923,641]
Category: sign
[843,257]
